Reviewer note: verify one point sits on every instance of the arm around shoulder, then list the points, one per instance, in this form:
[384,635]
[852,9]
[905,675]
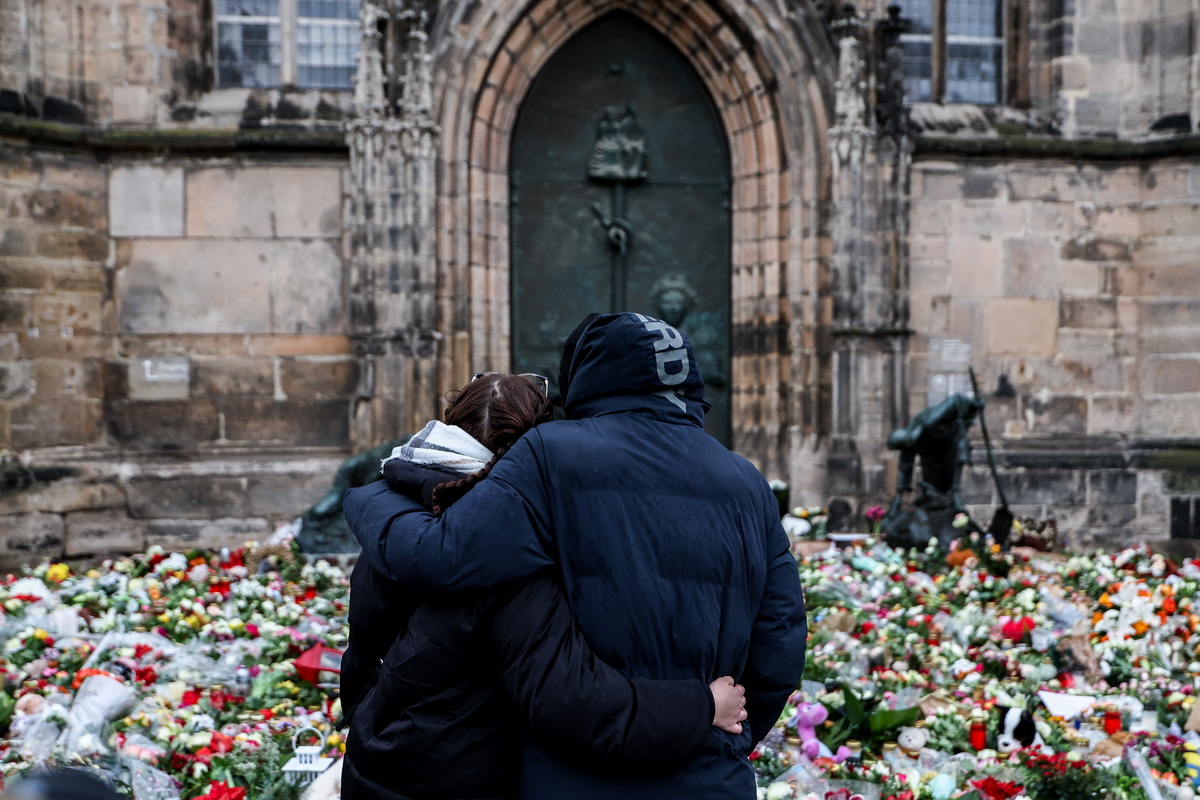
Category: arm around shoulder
[582,708]
[456,550]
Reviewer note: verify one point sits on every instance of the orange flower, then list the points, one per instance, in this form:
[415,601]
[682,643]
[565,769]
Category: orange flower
[84,674]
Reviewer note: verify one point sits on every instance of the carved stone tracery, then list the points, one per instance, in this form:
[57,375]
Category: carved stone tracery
[393,158]
[870,149]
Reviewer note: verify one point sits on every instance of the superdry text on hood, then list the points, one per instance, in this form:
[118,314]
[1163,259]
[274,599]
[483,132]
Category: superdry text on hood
[627,362]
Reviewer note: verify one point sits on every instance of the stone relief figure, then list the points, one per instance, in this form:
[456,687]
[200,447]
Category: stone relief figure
[674,300]
[938,436]
[605,161]
[619,153]
[323,529]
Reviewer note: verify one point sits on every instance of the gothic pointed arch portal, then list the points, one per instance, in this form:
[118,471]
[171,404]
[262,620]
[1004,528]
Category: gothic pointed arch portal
[767,67]
[619,185]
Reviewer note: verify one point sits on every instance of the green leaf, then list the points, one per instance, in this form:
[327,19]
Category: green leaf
[838,735]
[854,706]
[7,704]
[888,718]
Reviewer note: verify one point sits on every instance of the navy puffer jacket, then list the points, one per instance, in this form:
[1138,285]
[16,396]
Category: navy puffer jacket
[673,559]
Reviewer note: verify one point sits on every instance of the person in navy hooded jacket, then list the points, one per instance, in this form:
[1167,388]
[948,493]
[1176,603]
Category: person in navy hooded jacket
[672,555]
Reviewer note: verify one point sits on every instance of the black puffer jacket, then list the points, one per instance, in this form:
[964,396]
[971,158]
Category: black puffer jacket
[469,674]
[672,554]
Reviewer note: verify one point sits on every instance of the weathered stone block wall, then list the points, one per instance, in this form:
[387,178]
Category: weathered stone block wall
[173,358]
[1116,67]
[133,65]
[102,59]
[1076,281]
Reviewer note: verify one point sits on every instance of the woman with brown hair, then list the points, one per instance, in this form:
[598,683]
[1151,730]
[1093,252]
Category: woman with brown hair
[440,691]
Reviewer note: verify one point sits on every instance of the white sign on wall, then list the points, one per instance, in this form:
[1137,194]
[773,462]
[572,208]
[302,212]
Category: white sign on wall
[948,363]
[160,378]
[166,370]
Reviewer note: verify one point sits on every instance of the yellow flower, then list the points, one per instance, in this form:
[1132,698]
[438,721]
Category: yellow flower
[40,635]
[193,620]
[58,572]
[164,618]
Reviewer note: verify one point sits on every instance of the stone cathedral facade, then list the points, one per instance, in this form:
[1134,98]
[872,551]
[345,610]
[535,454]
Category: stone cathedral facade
[241,240]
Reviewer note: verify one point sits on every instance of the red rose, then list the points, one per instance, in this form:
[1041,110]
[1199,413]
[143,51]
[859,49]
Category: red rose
[190,698]
[1017,629]
[219,790]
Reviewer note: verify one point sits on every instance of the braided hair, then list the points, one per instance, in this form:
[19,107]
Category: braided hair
[496,409]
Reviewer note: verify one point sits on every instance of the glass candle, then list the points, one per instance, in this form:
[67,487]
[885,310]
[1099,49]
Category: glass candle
[978,735]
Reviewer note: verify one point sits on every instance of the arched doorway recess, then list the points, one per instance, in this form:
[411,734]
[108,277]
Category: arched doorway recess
[769,71]
[619,200]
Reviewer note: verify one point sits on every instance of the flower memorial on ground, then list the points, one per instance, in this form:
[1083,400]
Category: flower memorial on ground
[970,674]
[172,675]
[987,676]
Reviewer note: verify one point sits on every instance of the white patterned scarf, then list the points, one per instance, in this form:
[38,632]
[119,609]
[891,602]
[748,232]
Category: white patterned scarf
[444,446]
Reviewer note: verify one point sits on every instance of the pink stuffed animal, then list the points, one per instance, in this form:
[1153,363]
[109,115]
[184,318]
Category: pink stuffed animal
[808,717]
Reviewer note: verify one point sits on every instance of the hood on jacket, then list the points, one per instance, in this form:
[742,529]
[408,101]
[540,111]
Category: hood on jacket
[631,362]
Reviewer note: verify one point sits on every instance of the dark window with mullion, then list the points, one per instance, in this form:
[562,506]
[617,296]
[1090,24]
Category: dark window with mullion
[248,33]
[248,53]
[959,60]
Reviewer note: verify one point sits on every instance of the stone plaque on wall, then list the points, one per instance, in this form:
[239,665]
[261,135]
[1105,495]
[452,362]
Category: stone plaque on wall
[948,363]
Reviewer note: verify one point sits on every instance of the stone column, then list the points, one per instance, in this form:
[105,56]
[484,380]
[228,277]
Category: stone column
[392,260]
[870,155]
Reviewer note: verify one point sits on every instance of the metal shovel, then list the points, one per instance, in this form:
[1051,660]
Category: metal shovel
[1002,519]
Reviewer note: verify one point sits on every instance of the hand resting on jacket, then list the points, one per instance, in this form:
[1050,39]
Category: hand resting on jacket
[729,702]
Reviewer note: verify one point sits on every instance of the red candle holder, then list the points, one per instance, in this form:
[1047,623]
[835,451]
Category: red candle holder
[979,735]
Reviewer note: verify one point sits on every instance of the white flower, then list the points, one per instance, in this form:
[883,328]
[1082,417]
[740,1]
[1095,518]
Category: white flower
[175,562]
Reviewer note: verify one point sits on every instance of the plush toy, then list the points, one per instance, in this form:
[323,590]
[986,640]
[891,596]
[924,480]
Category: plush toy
[1017,730]
[1192,758]
[1113,746]
[912,739]
[808,717]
